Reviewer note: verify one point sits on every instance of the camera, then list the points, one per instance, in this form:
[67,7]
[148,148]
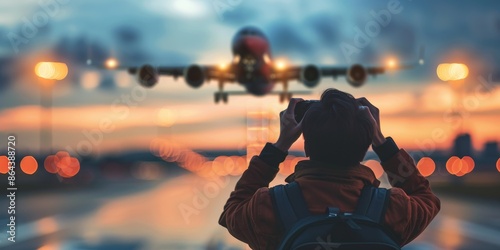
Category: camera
[301,109]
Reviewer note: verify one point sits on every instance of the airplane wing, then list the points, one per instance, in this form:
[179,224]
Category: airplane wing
[356,75]
[195,74]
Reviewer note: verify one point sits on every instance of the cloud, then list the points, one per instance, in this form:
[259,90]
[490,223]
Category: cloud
[6,77]
[326,27]
[189,118]
[185,32]
[287,40]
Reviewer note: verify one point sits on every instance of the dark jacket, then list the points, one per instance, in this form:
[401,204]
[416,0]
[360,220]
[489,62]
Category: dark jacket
[249,216]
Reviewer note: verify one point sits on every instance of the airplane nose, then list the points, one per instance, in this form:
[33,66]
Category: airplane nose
[252,44]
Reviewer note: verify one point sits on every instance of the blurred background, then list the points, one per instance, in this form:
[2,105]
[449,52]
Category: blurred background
[103,163]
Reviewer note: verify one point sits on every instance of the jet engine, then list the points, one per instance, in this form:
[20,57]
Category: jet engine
[310,75]
[147,76]
[194,75]
[356,75]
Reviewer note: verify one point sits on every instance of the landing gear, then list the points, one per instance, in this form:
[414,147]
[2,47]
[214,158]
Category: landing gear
[285,95]
[221,95]
[217,97]
[225,97]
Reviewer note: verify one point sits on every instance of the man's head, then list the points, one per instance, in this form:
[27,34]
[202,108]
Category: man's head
[335,130]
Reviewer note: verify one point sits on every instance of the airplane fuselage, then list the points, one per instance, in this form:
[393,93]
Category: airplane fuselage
[252,63]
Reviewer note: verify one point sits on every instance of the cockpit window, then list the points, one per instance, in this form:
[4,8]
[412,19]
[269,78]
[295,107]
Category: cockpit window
[251,31]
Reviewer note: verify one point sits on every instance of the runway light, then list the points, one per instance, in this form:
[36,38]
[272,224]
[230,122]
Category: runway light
[468,163]
[51,70]
[70,169]
[29,165]
[426,166]
[205,170]
[239,165]
[111,63]
[229,165]
[4,164]
[450,165]
[62,164]
[452,71]
[460,167]
[457,166]
[50,165]
[219,166]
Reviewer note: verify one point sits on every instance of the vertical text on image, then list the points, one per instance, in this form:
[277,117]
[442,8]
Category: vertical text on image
[11,187]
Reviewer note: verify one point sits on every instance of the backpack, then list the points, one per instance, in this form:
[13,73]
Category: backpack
[361,229]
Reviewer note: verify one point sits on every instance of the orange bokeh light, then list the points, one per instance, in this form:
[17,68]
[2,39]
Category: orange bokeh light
[50,164]
[62,164]
[240,165]
[206,170]
[61,154]
[460,167]
[391,63]
[460,173]
[457,166]
[426,166]
[498,164]
[111,63]
[452,71]
[280,65]
[375,167]
[71,169]
[51,70]
[468,163]
[29,165]
[450,163]
[4,164]
[218,166]
[62,160]
[229,165]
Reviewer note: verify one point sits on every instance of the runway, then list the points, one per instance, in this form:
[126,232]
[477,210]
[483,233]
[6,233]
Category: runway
[181,213]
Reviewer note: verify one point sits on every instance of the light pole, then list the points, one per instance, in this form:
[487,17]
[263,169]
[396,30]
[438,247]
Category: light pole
[454,74]
[49,73]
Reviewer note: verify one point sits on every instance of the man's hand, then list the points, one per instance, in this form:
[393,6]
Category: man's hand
[373,115]
[290,130]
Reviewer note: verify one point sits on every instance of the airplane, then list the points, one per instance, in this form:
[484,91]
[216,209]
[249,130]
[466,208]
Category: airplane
[253,67]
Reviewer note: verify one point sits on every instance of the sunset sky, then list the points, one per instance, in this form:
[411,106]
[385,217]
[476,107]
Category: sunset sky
[417,109]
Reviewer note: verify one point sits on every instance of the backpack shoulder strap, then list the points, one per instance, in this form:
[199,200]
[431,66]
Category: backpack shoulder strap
[289,204]
[373,203]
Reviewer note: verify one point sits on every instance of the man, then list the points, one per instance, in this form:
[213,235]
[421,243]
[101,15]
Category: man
[337,133]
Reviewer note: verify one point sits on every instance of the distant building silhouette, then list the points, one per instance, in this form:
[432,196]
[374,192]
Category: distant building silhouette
[491,150]
[462,146]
